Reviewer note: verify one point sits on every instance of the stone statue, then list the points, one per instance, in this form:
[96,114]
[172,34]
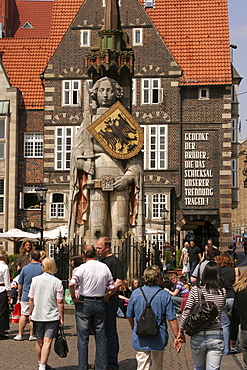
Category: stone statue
[105,192]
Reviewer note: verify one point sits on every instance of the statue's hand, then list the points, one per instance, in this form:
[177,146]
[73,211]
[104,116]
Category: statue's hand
[123,182]
[89,167]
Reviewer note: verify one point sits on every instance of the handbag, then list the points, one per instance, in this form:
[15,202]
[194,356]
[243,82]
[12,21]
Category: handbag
[202,314]
[61,346]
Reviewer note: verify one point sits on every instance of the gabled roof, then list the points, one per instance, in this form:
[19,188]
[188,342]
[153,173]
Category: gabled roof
[196,32]
[37,14]
[25,59]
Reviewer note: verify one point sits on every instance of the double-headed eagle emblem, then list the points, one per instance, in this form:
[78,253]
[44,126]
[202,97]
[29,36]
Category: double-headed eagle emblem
[118,133]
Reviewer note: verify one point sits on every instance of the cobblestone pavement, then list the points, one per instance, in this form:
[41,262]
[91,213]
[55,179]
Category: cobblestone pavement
[21,355]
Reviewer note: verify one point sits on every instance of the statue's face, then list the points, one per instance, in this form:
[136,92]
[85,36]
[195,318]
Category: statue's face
[106,95]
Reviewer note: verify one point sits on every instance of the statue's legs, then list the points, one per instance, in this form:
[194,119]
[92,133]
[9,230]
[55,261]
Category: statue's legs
[119,213]
[98,212]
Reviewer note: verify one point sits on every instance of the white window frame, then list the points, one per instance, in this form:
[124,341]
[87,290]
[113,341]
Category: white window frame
[2,195]
[29,189]
[134,91]
[57,209]
[63,147]
[146,206]
[2,137]
[144,147]
[157,149]
[159,201]
[85,43]
[33,145]
[160,240]
[234,130]
[51,248]
[203,93]
[2,128]
[135,32]
[234,173]
[149,87]
[149,4]
[71,89]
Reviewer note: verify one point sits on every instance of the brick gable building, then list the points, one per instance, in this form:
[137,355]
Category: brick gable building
[181,96]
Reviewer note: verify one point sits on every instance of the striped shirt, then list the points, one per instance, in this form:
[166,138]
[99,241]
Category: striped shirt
[182,289]
[218,299]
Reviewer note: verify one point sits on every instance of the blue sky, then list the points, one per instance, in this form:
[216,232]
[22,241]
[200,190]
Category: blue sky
[238,36]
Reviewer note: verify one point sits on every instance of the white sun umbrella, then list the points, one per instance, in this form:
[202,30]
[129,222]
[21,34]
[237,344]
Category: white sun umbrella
[17,235]
[154,231]
[55,233]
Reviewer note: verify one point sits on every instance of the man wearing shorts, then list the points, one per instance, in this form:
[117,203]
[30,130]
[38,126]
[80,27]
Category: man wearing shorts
[27,273]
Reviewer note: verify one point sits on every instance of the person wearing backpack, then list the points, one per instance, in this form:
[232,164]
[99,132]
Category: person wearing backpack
[148,309]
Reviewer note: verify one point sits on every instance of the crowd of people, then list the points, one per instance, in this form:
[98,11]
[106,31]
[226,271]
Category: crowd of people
[40,295]
[101,294]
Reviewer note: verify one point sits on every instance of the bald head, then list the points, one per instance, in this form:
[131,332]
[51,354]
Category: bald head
[89,251]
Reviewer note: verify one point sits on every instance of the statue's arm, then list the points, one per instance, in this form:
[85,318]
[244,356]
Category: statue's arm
[124,181]
[82,163]
[131,175]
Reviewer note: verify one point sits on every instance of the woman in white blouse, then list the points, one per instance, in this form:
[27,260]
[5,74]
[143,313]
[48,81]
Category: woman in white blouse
[4,292]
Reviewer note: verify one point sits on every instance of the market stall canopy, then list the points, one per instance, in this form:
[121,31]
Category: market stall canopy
[17,235]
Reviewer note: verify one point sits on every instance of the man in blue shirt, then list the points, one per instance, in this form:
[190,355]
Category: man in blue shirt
[152,347]
[34,268]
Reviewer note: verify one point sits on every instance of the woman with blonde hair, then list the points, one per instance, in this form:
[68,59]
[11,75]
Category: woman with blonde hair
[124,294]
[42,256]
[24,257]
[239,315]
[46,309]
[4,292]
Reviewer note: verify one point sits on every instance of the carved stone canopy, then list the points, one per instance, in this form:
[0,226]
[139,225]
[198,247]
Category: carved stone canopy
[112,56]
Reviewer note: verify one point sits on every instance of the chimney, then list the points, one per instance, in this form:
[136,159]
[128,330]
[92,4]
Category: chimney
[7,9]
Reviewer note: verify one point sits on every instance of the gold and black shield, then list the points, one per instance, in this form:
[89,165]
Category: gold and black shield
[118,133]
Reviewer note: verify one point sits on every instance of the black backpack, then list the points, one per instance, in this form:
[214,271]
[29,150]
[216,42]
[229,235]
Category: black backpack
[147,323]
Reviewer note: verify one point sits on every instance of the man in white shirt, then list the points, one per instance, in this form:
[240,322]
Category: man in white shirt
[94,279]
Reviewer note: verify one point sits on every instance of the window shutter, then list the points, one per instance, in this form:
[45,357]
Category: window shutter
[21,201]
[161,95]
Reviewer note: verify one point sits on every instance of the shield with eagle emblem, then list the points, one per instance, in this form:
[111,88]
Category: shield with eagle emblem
[118,133]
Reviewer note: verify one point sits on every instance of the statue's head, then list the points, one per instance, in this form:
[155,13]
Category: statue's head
[106,92]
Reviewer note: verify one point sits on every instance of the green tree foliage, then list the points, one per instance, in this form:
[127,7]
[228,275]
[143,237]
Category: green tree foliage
[13,258]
